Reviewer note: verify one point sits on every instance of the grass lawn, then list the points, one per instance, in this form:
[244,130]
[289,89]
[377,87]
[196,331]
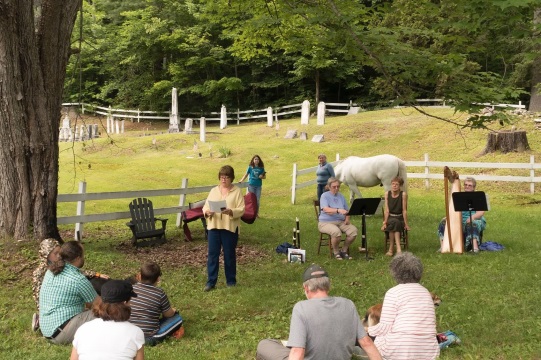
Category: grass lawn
[489,300]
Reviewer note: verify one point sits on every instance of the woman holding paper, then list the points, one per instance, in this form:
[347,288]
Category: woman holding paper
[223,209]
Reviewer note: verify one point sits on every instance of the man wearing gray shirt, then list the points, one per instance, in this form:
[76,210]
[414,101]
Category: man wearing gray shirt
[322,327]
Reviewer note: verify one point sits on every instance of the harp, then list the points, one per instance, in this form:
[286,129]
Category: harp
[453,238]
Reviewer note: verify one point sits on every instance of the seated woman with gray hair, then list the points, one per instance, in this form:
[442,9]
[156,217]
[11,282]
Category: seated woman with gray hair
[407,327]
[334,219]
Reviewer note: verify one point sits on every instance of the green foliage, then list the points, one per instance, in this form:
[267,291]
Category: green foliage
[247,53]
[225,152]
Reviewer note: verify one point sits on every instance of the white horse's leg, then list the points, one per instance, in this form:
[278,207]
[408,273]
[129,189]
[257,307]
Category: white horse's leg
[354,190]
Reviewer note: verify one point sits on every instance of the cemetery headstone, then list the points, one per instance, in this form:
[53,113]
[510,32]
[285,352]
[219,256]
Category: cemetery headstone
[291,134]
[318,138]
[321,108]
[305,112]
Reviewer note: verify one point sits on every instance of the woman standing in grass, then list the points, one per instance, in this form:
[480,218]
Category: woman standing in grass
[256,173]
[223,209]
[323,173]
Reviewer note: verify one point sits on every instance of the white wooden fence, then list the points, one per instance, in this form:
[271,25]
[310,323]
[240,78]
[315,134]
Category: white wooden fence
[82,196]
[427,176]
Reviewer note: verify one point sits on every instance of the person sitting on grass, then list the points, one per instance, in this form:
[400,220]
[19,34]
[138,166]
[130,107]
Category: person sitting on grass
[151,310]
[407,326]
[49,253]
[110,335]
[334,219]
[64,296]
[322,327]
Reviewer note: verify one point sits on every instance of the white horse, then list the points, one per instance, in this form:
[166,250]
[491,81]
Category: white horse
[371,171]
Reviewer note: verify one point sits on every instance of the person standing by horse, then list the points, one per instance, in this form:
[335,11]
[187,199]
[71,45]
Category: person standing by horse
[323,173]
[256,173]
[334,219]
[395,218]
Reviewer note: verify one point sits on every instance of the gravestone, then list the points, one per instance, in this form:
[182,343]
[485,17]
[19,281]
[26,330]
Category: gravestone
[188,125]
[90,131]
[173,117]
[321,108]
[223,117]
[304,135]
[291,134]
[96,131]
[65,131]
[318,138]
[354,110]
[305,112]
[202,129]
[269,116]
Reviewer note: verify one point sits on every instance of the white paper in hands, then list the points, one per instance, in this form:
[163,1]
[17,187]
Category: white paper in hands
[217,206]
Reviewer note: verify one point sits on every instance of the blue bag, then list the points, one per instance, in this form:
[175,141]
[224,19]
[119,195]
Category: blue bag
[282,248]
[491,246]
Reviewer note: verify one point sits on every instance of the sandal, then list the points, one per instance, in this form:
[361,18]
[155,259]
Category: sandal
[345,256]
[389,253]
[338,256]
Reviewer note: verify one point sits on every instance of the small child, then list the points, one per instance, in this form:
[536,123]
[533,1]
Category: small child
[151,310]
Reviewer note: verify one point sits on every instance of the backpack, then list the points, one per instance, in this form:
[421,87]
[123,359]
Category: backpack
[250,208]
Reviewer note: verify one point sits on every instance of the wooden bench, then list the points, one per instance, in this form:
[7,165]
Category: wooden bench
[143,223]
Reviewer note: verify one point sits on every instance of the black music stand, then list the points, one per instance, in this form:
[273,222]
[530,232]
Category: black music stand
[364,207]
[470,201]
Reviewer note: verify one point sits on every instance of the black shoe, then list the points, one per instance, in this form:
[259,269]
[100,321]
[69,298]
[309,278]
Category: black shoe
[209,287]
[231,285]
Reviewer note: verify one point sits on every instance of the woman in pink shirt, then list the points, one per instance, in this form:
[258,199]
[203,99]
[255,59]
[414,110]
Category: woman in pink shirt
[407,327]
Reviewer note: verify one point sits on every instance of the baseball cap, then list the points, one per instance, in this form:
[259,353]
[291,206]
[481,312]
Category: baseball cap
[115,291]
[314,271]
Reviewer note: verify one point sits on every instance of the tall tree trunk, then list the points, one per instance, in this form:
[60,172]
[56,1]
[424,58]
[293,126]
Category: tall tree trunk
[317,87]
[535,93]
[33,62]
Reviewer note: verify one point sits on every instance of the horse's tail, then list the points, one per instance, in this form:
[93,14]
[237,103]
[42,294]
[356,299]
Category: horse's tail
[403,173]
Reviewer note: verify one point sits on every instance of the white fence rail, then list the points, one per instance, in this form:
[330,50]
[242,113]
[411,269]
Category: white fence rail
[427,176]
[82,196]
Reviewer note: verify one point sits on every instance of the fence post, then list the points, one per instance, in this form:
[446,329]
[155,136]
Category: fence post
[238,116]
[532,174]
[294,184]
[83,108]
[427,182]
[80,211]
[138,115]
[182,200]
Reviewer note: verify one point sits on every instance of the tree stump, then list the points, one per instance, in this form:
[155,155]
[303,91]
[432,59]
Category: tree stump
[506,141]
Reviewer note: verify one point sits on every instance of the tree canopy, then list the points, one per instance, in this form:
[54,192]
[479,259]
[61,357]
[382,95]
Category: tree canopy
[249,53]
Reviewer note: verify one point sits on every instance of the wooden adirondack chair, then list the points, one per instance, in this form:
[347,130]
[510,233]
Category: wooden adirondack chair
[143,223]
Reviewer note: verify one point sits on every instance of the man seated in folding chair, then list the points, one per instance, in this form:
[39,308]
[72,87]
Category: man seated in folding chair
[334,219]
